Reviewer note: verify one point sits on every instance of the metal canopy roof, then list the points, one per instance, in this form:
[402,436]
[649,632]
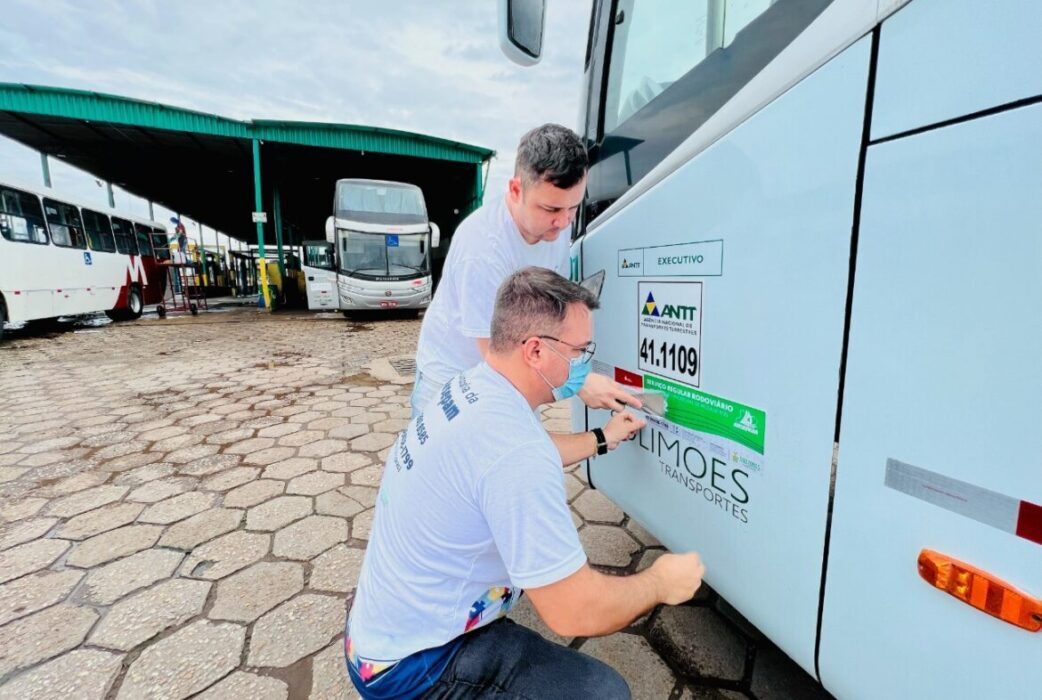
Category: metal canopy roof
[201,164]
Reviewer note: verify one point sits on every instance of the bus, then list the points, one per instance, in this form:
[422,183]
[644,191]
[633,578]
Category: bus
[61,259]
[377,252]
[822,218]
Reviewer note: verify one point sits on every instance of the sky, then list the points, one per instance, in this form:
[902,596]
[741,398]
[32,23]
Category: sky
[430,66]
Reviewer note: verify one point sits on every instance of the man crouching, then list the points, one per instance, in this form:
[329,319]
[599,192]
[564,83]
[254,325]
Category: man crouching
[472,511]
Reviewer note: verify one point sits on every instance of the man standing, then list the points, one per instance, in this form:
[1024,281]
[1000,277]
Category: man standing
[527,227]
[472,513]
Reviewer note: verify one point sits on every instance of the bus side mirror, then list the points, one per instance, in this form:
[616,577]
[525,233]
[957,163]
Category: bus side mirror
[435,235]
[330,237]
[521,30]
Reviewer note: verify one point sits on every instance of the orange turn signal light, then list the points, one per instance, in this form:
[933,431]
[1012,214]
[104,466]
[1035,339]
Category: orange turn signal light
[981,590]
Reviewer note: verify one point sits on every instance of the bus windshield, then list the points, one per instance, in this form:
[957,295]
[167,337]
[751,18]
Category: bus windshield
[380,202]
[382,256]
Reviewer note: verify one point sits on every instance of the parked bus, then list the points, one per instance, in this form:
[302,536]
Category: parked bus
[823,219]
[59,259]
[377,252]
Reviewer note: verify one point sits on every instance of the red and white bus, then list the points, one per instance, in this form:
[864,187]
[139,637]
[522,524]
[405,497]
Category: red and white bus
[61,259]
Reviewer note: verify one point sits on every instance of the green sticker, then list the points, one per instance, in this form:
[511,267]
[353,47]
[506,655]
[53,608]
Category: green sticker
[706,413]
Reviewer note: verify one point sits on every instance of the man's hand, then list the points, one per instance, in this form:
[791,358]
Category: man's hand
[622,426]
[678,576]
[602,392]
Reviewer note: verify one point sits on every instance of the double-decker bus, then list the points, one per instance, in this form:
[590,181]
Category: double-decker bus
[61,259]
[377,252]
[821,219]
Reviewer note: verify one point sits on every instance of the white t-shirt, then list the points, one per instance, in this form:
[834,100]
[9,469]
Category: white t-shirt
[486,249]
[471,509]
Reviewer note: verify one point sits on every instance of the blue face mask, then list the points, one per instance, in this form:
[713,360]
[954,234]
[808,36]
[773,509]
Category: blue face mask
[577,373]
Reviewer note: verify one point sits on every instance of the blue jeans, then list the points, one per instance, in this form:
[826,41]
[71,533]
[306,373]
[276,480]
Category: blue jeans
[504,660]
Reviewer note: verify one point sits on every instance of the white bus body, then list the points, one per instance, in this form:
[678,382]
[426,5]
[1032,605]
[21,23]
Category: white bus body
[378,250]
[60,259]
[823,220]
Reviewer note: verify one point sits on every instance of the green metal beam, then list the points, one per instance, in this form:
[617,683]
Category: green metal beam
[278,239]
[258,203]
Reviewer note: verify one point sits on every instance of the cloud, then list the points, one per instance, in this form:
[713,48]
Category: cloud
[430,67]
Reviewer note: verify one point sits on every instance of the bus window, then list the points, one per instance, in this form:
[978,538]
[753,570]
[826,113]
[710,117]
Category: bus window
[319,255]
[65,225]
[99,231]
[21,217]
[123,230]
[161,243]
[144,240]
[673,65]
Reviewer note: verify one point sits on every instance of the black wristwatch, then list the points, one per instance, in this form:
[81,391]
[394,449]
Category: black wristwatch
[602,442]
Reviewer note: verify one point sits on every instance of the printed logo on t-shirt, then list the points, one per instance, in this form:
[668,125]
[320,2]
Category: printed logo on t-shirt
[496,603]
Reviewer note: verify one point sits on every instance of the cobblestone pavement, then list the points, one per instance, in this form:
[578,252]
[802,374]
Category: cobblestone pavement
[185,504]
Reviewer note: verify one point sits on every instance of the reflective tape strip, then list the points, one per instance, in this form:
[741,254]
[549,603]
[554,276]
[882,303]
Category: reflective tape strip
[1021,518]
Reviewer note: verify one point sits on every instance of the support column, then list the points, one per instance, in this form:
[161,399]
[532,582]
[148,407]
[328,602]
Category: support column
[202,254]
[151,212]
[258,203]
[46,170]
[112,197]
[278,240]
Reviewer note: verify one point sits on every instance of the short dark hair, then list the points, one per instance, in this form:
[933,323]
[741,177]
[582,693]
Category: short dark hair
[551,153]
[533,301]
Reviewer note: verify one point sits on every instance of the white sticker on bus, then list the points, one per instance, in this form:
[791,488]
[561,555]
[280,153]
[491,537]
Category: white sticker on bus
[669,330]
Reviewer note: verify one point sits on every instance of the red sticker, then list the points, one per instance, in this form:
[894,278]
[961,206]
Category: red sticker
[1029,522]
[629,378]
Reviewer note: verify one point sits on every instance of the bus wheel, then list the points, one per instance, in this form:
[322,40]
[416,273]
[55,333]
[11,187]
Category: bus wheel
[134,304]
[161,311]
[194,309]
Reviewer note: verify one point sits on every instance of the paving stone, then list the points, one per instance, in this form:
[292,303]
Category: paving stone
[362,524]
[162,433]
[177,508]
[144,615]
[43,635]
[184,663]
[365,495]
[35,592]
[101,520]
[373,442]
[335,503]
[371,418]
[20,508]
[210,464]
[642,534]
[269,456]
[524,613]
[247,595]
[329,681]
[370,476]
[295,629]
[323,448]
[699,642]
[572,487]
[226,555]
[83,501]
[84,673]
[113,545]
[336,570]
[648,675]
[230,437]
[29,557]
[278,513]
[607,546]
[245,447]
[129,461]
[199,528]
[278,430]
[648,558]
[156,491]
[247,685]
[111,582]
[145,474]
[24,531]
[289,468]
[309,537]
[345,462]
[301,438]
[230,479]
[315,483]
[72,484]
[253,493]
[706,693]
[595,506]
[191,453]
[42,459]
[11,473]
[777,677]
